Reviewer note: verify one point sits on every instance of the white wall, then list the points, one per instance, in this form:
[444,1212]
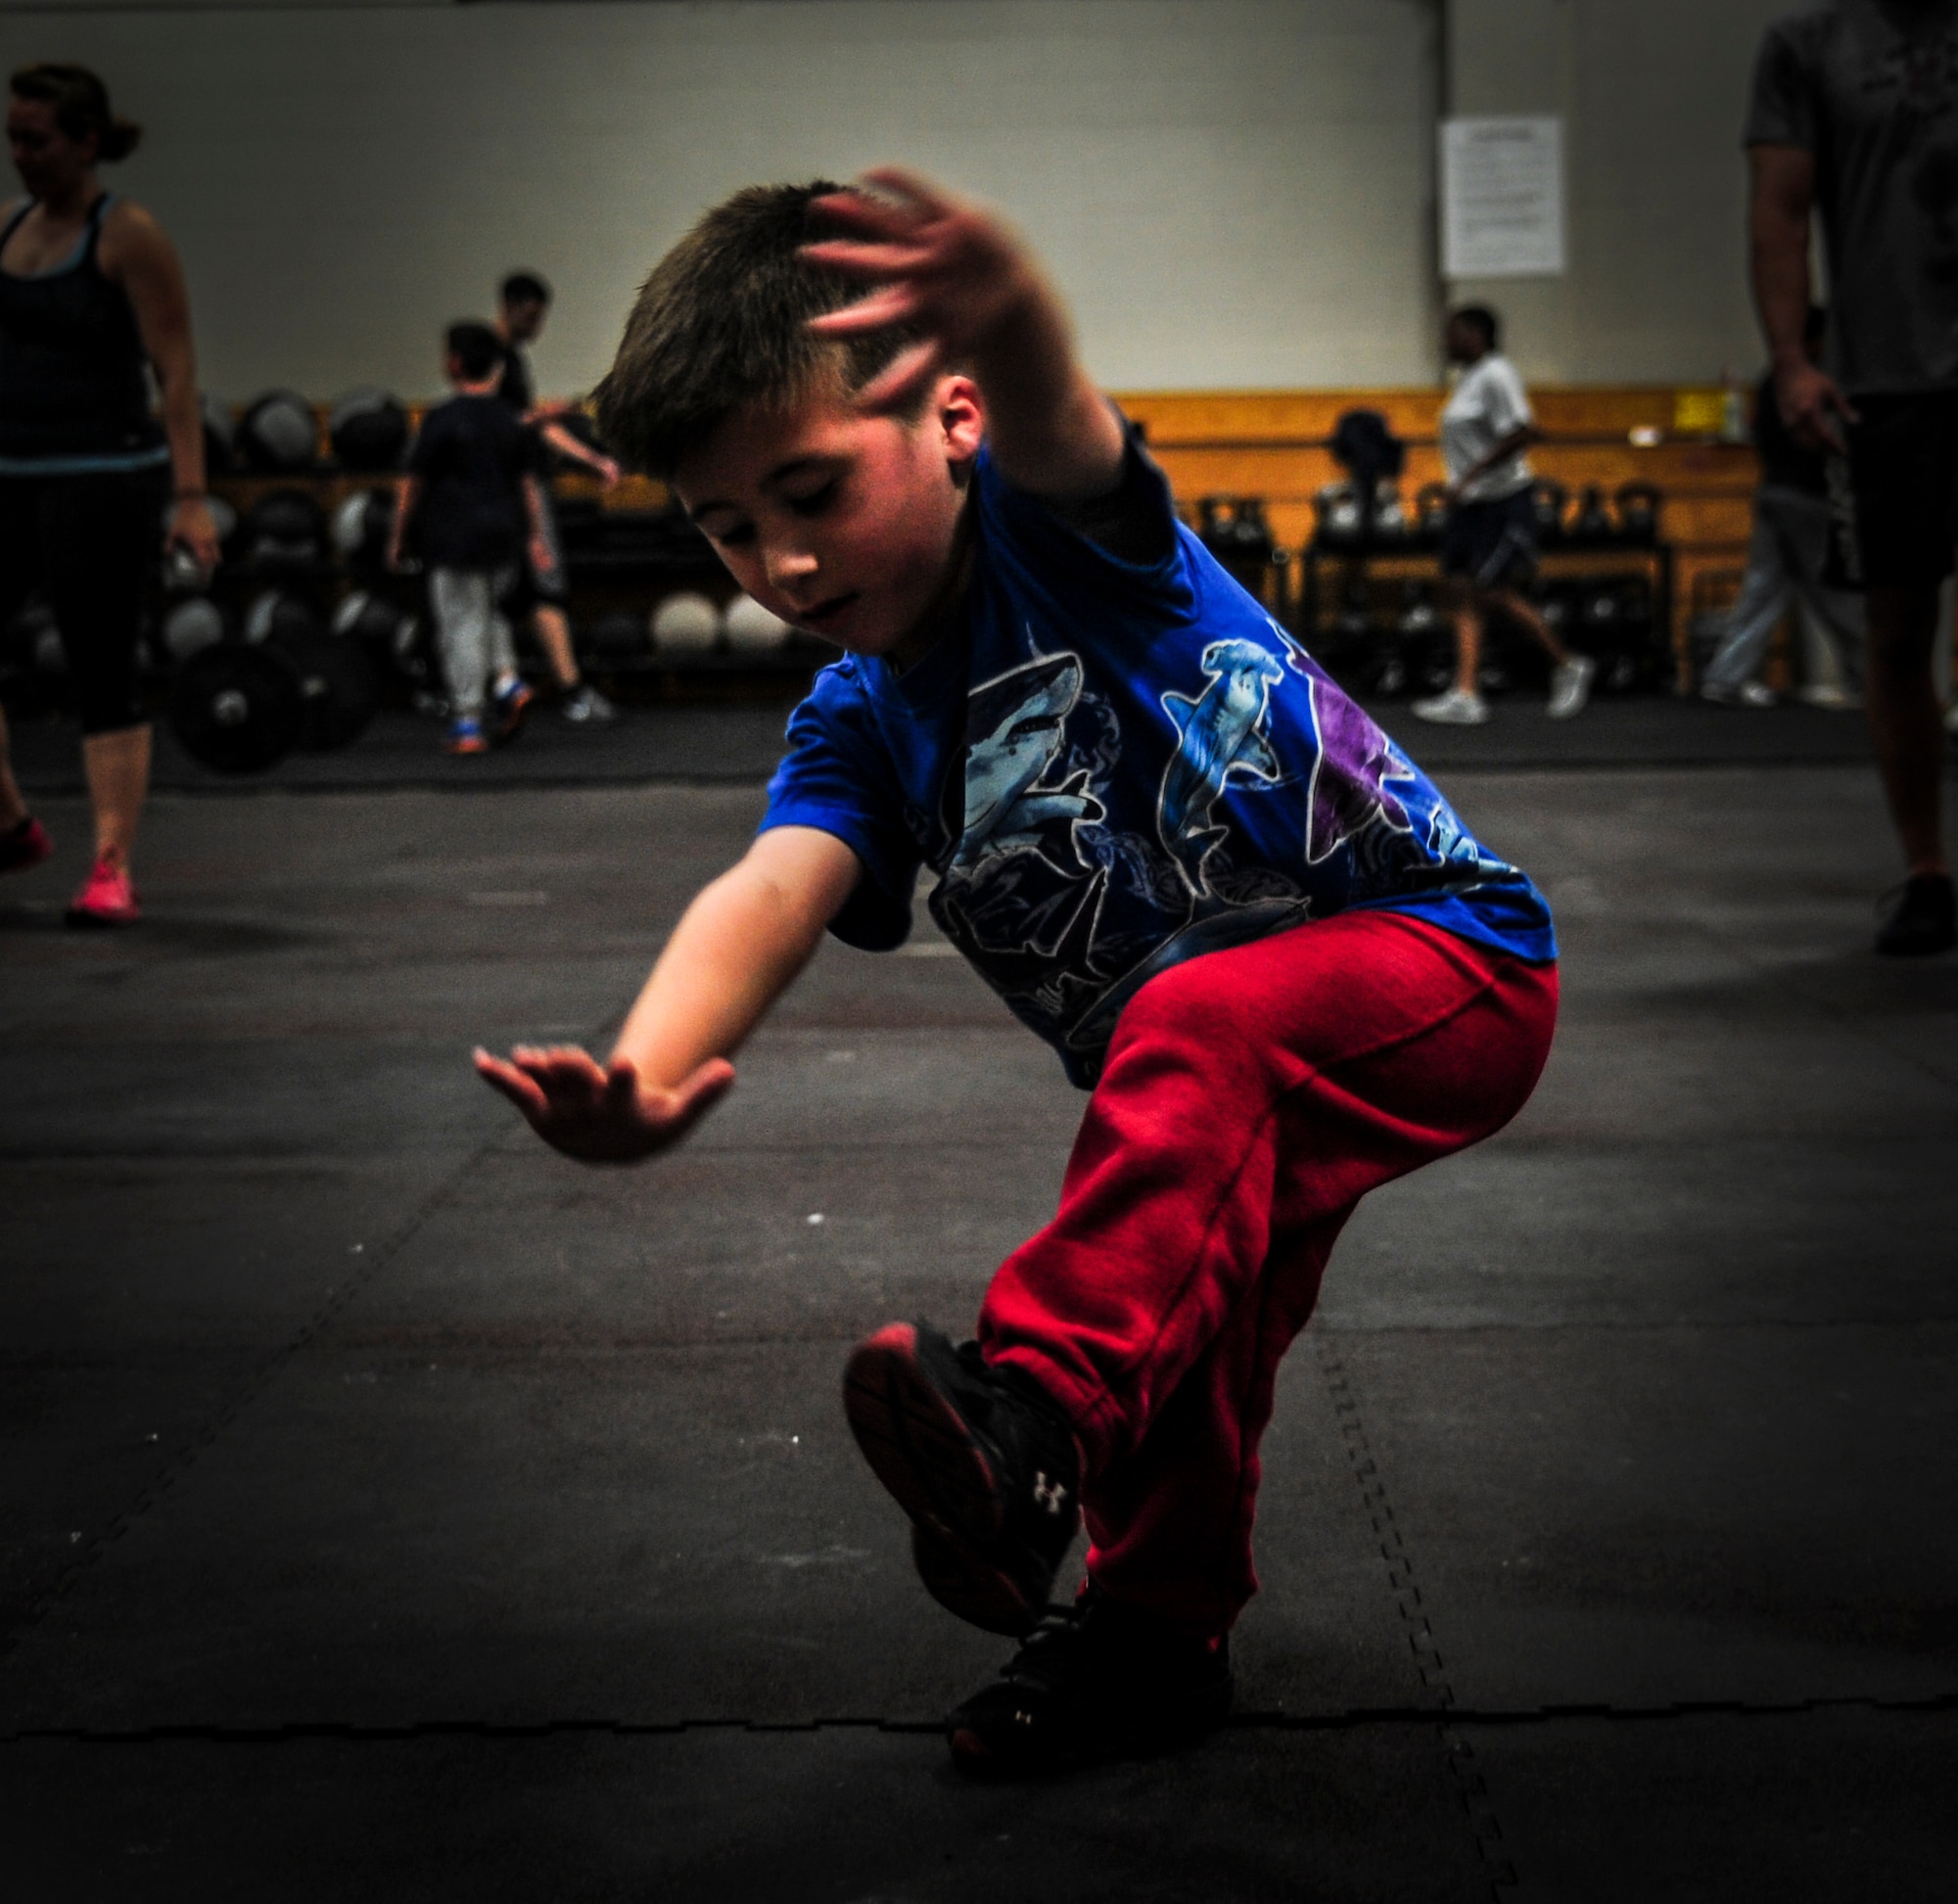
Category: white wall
[1233,192]
[1653,94]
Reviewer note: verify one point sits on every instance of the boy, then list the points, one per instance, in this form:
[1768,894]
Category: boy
[523,303]
[472,490]
[1175,848]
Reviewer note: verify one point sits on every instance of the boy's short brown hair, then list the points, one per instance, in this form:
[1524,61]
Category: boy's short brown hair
[723,322]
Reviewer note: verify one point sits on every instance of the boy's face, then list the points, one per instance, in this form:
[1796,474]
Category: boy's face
[844,524]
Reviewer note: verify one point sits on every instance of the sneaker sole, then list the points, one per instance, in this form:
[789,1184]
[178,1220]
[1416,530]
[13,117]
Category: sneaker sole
[969,1585]
[922,1452]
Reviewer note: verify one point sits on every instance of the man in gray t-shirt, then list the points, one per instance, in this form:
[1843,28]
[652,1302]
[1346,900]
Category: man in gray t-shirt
[1854,115]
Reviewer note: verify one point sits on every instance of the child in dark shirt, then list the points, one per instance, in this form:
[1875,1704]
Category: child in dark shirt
[1241,916]
[472,494]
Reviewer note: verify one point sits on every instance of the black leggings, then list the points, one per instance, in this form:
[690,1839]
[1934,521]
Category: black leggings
[89,541]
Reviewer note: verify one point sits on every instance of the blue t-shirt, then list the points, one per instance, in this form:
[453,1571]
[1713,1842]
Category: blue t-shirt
[1114,767]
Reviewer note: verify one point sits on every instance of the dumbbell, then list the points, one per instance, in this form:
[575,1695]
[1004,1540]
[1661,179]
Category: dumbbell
[1592,521]
[1546,499]
[1339,514]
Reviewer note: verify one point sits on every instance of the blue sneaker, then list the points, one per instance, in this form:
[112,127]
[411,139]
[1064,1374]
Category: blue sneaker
[512,702]
[465,736]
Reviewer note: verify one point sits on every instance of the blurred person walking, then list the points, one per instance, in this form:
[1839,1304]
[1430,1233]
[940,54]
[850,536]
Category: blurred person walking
[543,593]
[1854,118]
[91,297]
[1488,547]
[1787,555]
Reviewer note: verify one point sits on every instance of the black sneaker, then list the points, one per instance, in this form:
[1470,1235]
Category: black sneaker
[981,1459]
[1922,919]
[1101,1680]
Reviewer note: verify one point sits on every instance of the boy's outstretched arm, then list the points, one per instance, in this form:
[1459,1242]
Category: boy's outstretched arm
[955,273]
[736,950]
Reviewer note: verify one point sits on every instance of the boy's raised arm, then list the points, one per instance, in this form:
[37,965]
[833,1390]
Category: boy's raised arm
[957,274]
[736,950]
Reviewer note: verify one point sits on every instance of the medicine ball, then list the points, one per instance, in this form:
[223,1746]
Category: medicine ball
[753,630]
[685,623]
[391,635]
[366,618]
[283,528]
[368,430]
[274,611]
[198,622]
[278,432]
[220,437]
[361,526]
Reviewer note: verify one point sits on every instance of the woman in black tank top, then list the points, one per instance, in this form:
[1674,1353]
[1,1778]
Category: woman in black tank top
[92,300]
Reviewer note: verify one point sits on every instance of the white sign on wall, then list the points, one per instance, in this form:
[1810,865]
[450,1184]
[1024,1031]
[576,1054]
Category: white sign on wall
[1502,197]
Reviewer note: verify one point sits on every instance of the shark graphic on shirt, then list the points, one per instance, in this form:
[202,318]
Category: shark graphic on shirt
[1221,734]
[1016,726]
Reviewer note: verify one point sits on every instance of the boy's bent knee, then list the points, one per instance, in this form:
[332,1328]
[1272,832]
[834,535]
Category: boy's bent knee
[1187,1012]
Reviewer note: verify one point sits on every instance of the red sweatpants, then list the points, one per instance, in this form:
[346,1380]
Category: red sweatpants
[1250,1098]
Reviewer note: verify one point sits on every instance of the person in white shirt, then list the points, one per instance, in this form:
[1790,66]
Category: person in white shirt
[1488,549]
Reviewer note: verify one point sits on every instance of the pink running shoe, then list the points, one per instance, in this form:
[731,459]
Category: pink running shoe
[106,899]
[23,846]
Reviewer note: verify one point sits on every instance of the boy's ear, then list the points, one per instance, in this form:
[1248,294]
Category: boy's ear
[960,411]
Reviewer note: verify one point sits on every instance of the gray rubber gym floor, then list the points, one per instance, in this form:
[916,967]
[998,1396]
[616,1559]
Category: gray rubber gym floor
[392,1510]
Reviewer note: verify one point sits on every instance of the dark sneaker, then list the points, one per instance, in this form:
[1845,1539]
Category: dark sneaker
[1101,1680]
[585,707]
[23,846]
[983,1462]
[512,701]
[1922,919]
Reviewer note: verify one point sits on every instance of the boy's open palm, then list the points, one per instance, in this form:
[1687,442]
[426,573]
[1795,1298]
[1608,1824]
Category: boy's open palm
[945,265]
[602,1114]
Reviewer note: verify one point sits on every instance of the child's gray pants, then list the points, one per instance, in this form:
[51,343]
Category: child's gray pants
[471,636]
